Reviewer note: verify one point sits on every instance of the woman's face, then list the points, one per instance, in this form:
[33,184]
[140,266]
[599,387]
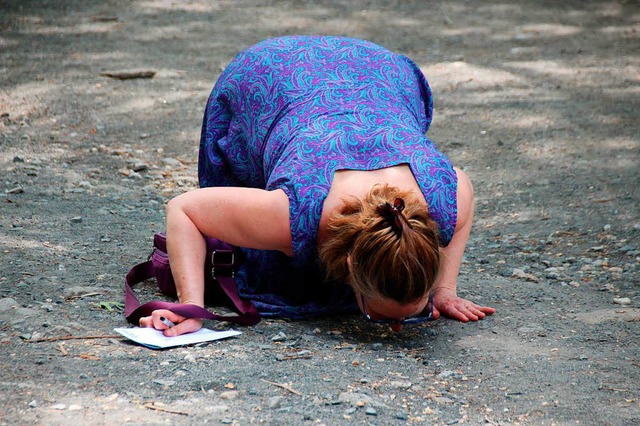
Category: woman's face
[381,309]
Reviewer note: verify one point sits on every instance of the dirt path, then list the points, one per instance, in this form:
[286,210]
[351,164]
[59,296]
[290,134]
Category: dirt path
[537,100]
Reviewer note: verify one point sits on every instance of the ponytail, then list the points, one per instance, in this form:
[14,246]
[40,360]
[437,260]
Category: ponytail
[392,244]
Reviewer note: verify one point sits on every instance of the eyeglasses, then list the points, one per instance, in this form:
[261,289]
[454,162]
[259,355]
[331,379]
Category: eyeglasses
[403,321]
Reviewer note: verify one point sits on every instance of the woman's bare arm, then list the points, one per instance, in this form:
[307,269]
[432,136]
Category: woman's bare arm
[245,217]
[446,300]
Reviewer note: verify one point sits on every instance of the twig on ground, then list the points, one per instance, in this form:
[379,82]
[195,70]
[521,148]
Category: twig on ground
[128,75]
[56,338]
[283,386]
[153,406]
[62,349]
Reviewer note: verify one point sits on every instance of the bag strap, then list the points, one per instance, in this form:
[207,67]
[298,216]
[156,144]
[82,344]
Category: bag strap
[223,273]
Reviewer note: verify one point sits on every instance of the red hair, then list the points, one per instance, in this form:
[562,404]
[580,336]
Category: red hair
[391,241]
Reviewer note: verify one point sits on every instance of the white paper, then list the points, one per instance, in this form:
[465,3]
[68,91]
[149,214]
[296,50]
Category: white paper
[155,339]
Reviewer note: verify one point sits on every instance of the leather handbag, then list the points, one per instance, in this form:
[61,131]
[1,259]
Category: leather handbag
[220,286]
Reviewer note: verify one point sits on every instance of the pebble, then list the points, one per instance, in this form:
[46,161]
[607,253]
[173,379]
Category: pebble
[402,415]
[358,399]
[33,404]
[622,300]
[280,337]
[164,382]
[75,407]
[275,402]
[77,219]
[58,407]
[519,273]
[400,384]
[448,374]
[229,395]
[16,190]
[370,411]
[171,162]
[140,167]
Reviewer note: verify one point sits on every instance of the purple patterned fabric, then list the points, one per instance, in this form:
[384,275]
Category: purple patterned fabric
[287,113]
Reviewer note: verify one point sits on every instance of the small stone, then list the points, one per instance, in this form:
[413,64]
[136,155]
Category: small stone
[229,395]
[190,358]
[77,219]
[519,273]
[16,190]
[370,411]
[357,399]
[171,162]
[400,384]
[164,382]
[615,270]
[280,337]
[448,374]
[402,415]
[275,402]
[17,159]
[75,407]
[597,248]
[622,300]
[33,404]
[58,407]
[140,167]
[606,228]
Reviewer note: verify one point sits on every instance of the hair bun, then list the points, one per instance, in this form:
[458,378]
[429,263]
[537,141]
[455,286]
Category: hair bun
[393,214]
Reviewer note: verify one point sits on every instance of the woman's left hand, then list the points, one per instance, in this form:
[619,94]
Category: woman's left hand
[447,303]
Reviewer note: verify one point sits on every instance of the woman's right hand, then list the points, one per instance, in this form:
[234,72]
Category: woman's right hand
[182,325]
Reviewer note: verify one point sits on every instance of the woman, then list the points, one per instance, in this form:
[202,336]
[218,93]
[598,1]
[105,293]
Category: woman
[314,148]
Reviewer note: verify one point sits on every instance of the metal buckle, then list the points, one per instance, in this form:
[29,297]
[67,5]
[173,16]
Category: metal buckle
[222,262]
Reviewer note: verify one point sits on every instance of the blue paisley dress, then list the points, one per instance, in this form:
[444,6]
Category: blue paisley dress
[286,114]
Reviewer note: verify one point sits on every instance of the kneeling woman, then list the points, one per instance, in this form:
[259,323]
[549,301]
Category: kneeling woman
[314,161]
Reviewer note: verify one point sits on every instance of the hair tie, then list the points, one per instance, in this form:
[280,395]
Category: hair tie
[393,214]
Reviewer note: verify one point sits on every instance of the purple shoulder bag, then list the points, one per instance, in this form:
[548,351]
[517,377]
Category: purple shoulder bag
[220,285]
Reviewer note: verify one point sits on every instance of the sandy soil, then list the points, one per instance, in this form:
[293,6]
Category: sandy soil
[537,100]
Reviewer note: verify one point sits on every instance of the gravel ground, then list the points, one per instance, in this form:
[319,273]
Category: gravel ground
[537,100]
